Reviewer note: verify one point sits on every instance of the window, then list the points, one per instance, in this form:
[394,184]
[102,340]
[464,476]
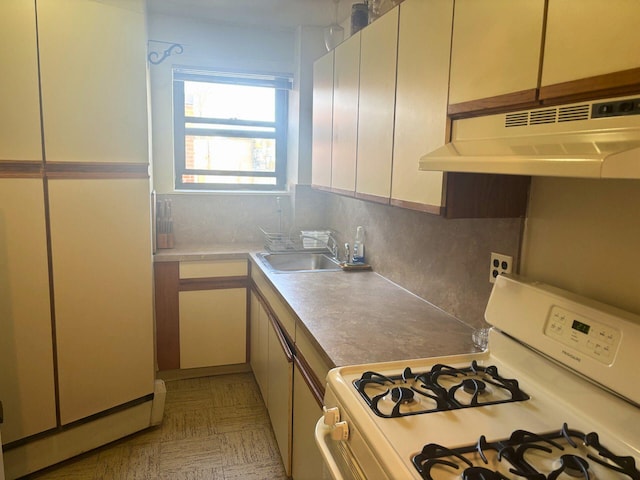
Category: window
[230,130]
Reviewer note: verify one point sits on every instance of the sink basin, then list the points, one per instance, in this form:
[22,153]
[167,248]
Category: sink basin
[298,262]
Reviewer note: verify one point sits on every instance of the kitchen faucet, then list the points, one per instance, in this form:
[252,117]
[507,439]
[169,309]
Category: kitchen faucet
[333,248]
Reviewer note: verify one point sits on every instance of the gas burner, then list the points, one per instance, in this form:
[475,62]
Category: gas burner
[439,389]
[481,473]
[549,456]
[476,385]
[402,394]
[473,386]
[573,466]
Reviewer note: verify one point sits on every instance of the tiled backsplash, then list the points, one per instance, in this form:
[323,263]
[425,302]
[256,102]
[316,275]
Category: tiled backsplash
[443,261]
[226,218]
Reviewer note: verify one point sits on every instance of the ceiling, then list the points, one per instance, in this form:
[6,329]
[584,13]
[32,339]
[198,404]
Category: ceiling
[266,13]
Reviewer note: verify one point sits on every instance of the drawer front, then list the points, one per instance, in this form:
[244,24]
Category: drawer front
[277,305]
[314,359]
[213,268]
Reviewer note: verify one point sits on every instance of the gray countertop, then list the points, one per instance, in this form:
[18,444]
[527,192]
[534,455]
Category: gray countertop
[195,252]
[354,317]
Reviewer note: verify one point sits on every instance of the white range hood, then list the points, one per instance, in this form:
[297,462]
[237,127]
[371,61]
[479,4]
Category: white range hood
[590,140]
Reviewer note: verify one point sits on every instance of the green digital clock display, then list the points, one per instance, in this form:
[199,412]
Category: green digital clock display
[581,327]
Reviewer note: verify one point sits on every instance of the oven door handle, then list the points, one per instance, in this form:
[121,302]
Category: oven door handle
[323,435]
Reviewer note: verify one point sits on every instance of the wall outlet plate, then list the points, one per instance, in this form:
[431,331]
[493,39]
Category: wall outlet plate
[499,264]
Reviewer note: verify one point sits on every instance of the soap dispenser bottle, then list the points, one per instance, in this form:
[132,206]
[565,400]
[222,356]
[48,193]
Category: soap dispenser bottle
[358,246]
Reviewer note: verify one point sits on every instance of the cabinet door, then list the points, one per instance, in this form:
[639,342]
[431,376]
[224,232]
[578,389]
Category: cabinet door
[26,348]
[279,403]
[595,39]
[421,101]
[93,75]
[20,137]
[213,327]
[1,457]
[259,345]
[345,115]
[322,121]
[102,277]
[495,53]
[306,460]
[378,54]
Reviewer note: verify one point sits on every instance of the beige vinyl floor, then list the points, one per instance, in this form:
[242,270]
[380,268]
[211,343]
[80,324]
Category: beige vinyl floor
[214,428]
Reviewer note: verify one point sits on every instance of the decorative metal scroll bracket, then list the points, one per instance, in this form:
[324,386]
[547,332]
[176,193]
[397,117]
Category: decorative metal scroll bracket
[156,58]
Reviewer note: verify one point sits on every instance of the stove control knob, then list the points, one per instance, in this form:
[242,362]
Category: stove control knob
[340,431]
[331,415]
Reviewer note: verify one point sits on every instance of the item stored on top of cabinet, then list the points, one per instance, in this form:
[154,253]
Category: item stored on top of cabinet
[359,17]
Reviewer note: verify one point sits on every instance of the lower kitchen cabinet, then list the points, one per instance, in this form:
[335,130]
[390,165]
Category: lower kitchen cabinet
[213,327]
[293,378]
[201,313]
[271,359]
[279,395]
[259,344]
[306,459]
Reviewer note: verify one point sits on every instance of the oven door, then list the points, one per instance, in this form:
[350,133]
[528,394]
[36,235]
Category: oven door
[339,462]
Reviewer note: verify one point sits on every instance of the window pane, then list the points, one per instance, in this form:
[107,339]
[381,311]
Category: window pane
[243,128]
[230,153]
[228,180]
[217,100]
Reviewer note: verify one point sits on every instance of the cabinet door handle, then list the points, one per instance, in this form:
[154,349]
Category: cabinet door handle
[1,413]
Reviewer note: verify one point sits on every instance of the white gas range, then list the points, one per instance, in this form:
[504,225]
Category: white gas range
[555,396]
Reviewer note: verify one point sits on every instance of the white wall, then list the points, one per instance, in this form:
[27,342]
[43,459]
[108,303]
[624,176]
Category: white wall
[584,236]
[206,45]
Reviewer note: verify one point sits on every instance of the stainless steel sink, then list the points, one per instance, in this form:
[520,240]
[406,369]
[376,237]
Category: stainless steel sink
[298,262]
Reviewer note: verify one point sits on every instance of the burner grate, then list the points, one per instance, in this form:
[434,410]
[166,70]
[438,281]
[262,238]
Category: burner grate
[527,455]
[440,389]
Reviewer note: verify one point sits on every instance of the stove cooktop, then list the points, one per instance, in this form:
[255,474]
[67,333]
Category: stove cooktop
[536,405]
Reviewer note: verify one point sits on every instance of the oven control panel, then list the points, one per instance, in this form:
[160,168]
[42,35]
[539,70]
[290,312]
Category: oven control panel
[588,336]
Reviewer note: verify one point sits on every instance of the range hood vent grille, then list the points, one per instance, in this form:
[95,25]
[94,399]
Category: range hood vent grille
[573,113]
[549,115]
[519,119]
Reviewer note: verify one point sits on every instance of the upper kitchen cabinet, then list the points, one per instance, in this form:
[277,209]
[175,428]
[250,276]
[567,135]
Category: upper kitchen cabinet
[495,56]
[93,78]
[376,107]
[421,101]
[591,50]
[346,82]
[322,121]
[20,136]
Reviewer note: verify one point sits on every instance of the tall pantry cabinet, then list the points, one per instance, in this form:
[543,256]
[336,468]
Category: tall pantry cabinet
[76,350]
[27,389]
